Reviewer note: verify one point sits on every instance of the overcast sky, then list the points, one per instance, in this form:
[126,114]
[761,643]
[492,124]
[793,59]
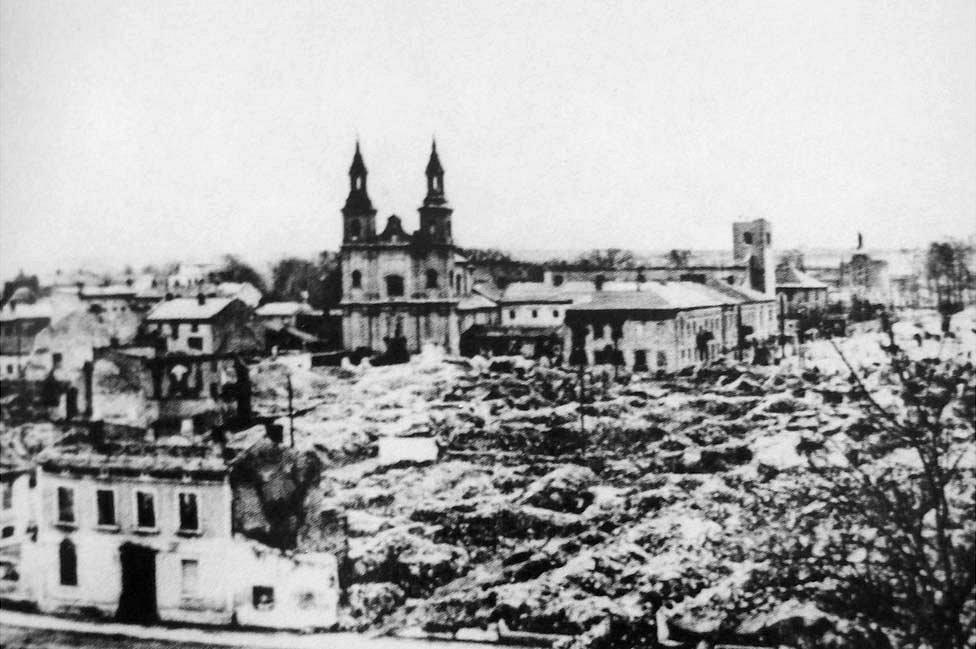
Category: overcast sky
[141,131]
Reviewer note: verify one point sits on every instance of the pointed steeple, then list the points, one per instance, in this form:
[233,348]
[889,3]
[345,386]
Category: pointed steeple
[435,178]
[358,197]
[358,167]
[358,216]
[434,167]
[435,213]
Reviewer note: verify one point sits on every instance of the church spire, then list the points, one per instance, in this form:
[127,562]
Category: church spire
[358,197]
[435,178]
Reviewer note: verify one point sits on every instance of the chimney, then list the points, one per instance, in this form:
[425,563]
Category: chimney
[201,298]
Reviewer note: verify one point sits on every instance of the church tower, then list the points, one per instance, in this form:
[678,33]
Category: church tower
[358,215]
[435,213]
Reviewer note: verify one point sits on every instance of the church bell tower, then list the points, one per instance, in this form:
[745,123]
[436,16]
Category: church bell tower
[358,215]
[435,213]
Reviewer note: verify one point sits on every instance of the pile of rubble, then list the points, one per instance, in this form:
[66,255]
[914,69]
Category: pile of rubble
[628,518]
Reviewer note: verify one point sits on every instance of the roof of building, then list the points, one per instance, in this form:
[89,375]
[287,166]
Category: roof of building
[659,296]
[740,291]
[23,311]
[134,459]
[788,276]
[117,290]
[475,302]
[189,308]
[541,293]
[282,309]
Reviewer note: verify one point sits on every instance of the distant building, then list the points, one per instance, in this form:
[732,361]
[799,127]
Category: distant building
[666,325]
[799,293]
[203,325]
[401,290]
[866,277]
[145,533]
[20,322]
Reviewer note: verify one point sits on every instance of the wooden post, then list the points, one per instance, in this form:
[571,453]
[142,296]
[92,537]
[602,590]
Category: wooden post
[291,413]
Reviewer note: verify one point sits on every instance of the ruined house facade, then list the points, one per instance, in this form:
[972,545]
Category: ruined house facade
[143,533]
[397,285]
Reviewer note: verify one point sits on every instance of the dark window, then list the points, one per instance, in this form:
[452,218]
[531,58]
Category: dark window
[7,532]
[747,237]
[431,279]
[262,598]
[511,314]
[189,519]
[356,279]
[535,313]
[195,342]
[769,238]
[66,505]
[394,286]
[145,510]
[557,280]
[106,506]
[69,563]
[354,229]
[555,313]
[8,494]
[194,327]
[176,330]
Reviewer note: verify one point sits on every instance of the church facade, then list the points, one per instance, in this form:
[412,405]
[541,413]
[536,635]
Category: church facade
[400,290]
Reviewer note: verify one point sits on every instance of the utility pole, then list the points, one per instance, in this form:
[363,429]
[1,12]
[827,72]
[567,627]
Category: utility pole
[291,412]
[582,376]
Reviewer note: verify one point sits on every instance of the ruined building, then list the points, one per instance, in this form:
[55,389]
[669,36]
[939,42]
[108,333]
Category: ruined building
[400,290]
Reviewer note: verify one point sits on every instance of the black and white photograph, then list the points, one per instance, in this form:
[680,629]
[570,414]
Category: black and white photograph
[488,324]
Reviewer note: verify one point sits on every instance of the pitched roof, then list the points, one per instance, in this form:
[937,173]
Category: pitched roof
[279,309]
[475,302]
[658,296]
[189,308]
[788,276]
[740,292]
[23,311]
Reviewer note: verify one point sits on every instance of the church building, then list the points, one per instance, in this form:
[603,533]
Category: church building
[400,291]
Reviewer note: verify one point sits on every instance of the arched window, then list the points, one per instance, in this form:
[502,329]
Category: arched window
[747,237]
[431,278]
[69,563]
[458,280]
[394,286]
[357,279]
[355,229]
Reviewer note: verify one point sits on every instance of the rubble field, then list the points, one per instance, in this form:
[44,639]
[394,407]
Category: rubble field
[634,519]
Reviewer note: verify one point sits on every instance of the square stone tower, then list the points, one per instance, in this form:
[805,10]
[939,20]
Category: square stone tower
[752,244]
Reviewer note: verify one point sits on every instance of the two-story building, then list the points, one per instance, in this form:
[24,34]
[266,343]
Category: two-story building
[20,322]
[665,325]
[203,325]
[144,532]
